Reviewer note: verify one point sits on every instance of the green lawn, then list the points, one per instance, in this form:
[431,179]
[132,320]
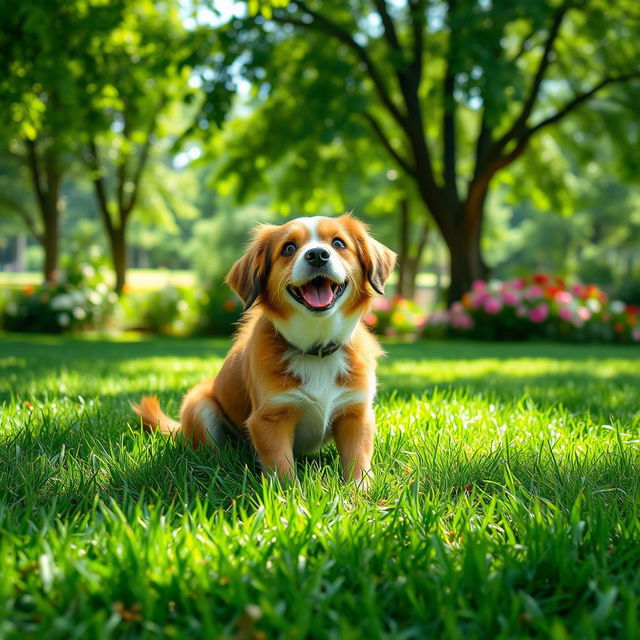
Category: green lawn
[505,503]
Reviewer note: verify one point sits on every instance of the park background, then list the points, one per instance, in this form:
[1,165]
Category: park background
[492,144]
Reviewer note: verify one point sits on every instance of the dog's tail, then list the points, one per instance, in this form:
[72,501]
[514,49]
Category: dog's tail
[153,418]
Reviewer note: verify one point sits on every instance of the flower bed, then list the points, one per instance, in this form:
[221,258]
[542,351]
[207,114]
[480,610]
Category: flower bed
[537,307]
[397,317]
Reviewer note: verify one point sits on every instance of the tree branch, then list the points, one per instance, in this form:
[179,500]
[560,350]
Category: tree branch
[324,24]
[36,173]
[417,9]
[377,129]
[390,33]
[449,119]
[580,99]
[144,156]
[100,187]
[520,123]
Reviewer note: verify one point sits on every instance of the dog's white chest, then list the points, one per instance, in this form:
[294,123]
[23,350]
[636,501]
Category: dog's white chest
[319,397]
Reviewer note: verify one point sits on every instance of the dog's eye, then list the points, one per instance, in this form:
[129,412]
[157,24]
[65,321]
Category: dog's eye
[289,249]
[338,244]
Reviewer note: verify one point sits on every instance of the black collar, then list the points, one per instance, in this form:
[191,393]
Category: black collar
[317,350]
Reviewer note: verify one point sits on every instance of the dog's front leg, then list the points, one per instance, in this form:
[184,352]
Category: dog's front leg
[353,432]
[272,429]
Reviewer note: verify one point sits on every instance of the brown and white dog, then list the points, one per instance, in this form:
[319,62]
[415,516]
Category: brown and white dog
[302,368]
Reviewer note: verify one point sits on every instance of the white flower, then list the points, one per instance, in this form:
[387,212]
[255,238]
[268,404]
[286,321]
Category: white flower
[79,313]
[594,305]
[63,319]
[617,306]
[63,301]
[94,298]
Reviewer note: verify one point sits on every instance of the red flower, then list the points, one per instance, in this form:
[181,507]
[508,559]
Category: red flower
[618,327]
[632,309]
[540,278]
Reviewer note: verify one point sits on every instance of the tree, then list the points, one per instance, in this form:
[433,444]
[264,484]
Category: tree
[40,62]
[453,90]
[140,82]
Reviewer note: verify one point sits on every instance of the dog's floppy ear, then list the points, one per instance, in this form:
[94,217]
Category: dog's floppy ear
[379,264]
[248,276]
[378,261]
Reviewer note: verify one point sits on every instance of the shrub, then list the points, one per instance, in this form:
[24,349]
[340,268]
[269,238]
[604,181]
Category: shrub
[55,308]
[80,299]
[540,306]
[220,311]
[398,317]
[170,310]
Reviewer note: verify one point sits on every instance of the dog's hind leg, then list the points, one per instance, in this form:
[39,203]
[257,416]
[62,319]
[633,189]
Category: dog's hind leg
[201,417]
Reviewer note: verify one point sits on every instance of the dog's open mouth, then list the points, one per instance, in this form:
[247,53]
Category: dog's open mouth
[318,294]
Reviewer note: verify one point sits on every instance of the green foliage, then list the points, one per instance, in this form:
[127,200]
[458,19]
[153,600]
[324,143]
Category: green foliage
[505,502]
[218,242]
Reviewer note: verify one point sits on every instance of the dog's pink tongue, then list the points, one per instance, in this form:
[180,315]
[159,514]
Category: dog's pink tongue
[318,295]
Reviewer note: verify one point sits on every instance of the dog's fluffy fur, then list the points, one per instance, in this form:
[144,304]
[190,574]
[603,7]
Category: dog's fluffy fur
[270,388]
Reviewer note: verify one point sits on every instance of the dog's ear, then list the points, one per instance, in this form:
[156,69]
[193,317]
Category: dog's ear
[379,264]
[248,276]
[377,260]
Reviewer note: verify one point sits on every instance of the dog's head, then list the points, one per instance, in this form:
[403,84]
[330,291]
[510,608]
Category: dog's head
[314,266]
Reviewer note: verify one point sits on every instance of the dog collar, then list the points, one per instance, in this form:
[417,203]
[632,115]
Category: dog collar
[322,350]
[317,350]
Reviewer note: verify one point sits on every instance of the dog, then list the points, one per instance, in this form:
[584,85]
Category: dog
[301,371]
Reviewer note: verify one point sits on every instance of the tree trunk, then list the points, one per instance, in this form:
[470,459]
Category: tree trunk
[51,243]
[403,248]
[119,256]
[466,263]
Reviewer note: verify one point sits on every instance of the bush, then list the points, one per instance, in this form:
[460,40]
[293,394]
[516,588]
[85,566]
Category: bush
[220,312]
[55,308]
[536,307]
[398,317]
[170,310]
[80,299]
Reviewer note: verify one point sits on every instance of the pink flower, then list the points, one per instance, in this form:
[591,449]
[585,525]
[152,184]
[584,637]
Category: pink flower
[461,321]
[565,314]
[539,314]
[521,311]
[492,305]
[510,298]
[381,304]
[533,292]
[583,313]
[635,334]
[520,283]
[478,285]
[563,297]
[478,298]
[371,319]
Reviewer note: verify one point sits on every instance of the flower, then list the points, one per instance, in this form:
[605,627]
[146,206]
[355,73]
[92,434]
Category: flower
[539,313]
[492,305]
[533,292]
[565,313]
[478,285]
[381,304]
[563,297]
[510,297]
[371,320]
[461,320]
[617,306]
[583,313]
[635,334]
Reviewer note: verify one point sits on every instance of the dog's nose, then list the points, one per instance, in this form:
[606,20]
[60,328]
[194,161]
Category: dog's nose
[317,257]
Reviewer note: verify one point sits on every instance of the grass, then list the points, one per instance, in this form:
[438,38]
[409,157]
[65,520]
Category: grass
[505,504]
